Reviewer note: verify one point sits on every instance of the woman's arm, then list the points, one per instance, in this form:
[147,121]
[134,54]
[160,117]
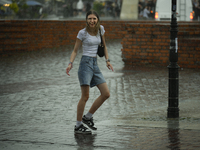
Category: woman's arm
[106,54]
[73,55]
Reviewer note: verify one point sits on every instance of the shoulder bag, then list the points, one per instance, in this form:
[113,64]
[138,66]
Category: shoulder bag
[100,51]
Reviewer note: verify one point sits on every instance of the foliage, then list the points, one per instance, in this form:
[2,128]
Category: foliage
[23,9]
[3,8]
[14,7]
[97,6]
[22,4]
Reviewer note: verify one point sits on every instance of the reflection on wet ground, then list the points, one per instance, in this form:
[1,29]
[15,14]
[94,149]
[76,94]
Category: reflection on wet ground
[173,134]
[85,141]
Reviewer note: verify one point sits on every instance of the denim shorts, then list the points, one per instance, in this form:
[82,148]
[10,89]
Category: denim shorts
[89,72]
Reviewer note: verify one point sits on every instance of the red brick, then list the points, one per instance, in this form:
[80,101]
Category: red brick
[143,54]
[144,47]
[157,54]
[150,50]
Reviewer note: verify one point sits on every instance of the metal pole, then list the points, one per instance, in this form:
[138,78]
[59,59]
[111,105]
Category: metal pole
[173,110]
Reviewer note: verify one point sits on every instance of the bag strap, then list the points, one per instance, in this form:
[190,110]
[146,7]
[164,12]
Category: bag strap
[101,36]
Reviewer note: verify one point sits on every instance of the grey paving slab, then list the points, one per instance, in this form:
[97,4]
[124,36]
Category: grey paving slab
[38,104]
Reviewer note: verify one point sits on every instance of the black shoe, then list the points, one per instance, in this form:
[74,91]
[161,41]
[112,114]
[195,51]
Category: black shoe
[89,122]
[82,130]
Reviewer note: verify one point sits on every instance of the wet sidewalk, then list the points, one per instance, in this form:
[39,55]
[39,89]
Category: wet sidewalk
[38,105]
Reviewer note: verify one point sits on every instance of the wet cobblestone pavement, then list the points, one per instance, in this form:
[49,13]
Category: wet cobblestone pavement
[38,105]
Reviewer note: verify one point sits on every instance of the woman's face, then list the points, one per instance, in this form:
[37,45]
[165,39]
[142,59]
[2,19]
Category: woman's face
[92,20]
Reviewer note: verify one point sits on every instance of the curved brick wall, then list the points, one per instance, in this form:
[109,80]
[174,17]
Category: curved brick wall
[144,42]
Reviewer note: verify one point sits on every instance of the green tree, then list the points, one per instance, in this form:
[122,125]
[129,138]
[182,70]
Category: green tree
[97,6]
[14,7]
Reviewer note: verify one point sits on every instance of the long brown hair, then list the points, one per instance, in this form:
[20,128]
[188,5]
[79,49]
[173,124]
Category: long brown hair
[98,23]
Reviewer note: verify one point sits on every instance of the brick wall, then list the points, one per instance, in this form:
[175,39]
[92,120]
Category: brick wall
[148,43]
[31,35]
[143,42]
[35,34]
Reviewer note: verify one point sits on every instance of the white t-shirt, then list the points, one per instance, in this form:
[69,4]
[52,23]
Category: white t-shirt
[90,43]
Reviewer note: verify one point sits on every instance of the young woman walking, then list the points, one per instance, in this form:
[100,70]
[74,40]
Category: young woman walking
[89,74]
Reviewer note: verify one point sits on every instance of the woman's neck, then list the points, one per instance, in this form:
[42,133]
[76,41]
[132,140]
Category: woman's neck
[91,31]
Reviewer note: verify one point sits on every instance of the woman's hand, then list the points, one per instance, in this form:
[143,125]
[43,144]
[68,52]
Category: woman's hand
[110,67]
[69,68]
[73,55]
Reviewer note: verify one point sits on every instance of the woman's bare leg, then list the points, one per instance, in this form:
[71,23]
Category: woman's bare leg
[105,94]
[82,101]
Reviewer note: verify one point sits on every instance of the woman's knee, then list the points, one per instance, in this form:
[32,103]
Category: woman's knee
[104,90]
[85,93]
[106,95]
[85,98]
